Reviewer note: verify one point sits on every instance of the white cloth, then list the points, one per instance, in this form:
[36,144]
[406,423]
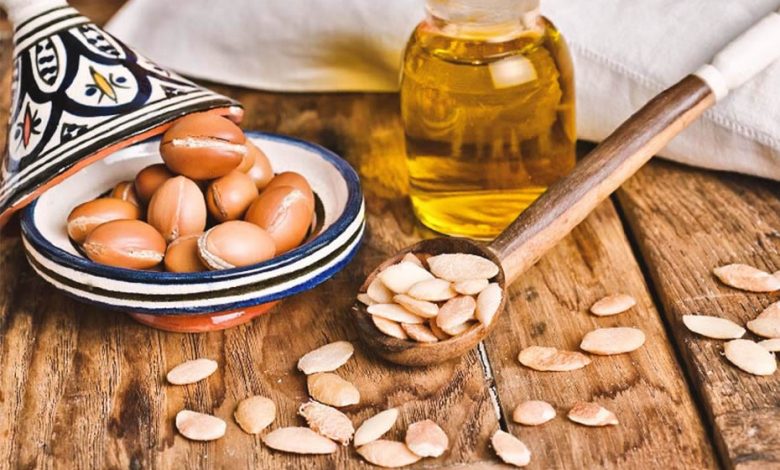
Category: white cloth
[625,52]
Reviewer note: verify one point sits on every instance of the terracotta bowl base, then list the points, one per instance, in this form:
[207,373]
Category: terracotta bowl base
[204,322]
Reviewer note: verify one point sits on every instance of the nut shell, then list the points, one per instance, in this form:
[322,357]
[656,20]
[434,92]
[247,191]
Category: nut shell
[182,255]
[177,209]
[125,190]
[149,179]
[284,212]
[85,217]
[129,244]
[296,180]
[260,171]
[233,244]
[203,146]
[228,198]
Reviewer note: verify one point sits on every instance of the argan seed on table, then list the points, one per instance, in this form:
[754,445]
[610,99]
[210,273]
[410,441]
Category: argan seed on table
[255,413]
[420,333]
[456,312]
[84,218]
[609,341]
[713,327]
[432,290]
[612,305]
[234,244]
[426,439]
[545,359]
[375,427]
[189,372]
[388,454]
[299,440]
[389,327]
[748,278]
[182,255]
[228,197]
[327,421]
[199,426]
[330,389]
[203,146]
[750,357]
[456,267]
[488,303]
[400,277]
[592,414]
[326,358]
[533,413]
[395,313]
[177,209]
[421,308]
[284,212]
[510,449]
[131,244]
[766,327]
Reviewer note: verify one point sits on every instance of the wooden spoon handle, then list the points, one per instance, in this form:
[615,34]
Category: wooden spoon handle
[567,202]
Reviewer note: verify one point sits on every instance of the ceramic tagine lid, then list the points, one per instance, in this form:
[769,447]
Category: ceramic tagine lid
[77,95]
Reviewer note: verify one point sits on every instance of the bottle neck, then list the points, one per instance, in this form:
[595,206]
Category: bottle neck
[484,17]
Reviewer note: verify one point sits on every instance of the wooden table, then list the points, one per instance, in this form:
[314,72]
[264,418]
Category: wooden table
[82,387]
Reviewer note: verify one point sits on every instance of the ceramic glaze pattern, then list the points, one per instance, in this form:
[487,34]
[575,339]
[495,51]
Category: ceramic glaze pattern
[77,90]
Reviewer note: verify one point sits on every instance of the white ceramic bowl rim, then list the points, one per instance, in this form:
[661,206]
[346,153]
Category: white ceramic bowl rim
[351,211]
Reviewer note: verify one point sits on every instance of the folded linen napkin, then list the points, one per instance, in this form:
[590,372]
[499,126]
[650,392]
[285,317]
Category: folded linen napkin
[625,52]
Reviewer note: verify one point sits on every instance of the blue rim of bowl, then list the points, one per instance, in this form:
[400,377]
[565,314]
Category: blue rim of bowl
[351,211]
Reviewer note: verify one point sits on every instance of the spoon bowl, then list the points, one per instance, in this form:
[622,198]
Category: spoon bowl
[413,353]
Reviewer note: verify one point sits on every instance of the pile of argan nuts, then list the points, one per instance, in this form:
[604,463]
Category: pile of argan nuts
[215,203]
[433,298]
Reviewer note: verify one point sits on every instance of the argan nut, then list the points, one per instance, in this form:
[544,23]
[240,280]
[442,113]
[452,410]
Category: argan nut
[284,212]
[228,198]
[182,256]
[85,217]
[149,179]
[249,158]
[233,244]
[177,209]
[296,180]
[129,244]
[260,171]
[203,146]
[125,190]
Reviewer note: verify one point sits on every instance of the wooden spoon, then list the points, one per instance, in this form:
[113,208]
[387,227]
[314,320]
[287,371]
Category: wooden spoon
[567,202]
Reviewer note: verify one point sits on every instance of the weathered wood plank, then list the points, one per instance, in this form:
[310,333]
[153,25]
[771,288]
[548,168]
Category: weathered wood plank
[659,424]
[687,222]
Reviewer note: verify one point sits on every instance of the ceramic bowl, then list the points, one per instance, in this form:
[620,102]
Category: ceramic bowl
[205,300]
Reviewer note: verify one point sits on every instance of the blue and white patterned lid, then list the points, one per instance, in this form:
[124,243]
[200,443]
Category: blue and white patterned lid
[78,94]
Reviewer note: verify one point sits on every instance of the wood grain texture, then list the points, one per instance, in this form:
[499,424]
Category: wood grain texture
[569,200]
[548,306]
[687,222]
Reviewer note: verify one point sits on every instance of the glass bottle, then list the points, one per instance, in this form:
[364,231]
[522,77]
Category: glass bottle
[487,101]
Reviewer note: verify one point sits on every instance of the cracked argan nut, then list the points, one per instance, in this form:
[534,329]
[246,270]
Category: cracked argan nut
[125,190]
[260,171]
[131,244]
[149,179]
[228,198]
[203,146]
[297,181]
[285,213]
[177,209]
[182,256]
[84,218]
[234,244]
